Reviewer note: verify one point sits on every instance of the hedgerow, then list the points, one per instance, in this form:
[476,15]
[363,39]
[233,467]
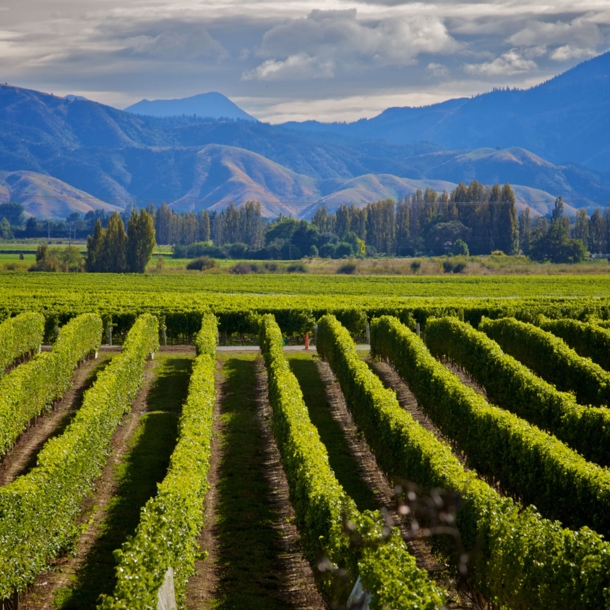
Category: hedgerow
[323,508]
[526,461]
[170,523]
[39,511]
[20,335]
[551,358]
[30,388]
[517,559]
[512,386]
[586,338]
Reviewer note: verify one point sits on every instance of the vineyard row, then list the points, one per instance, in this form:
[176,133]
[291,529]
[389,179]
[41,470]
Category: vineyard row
[516,557]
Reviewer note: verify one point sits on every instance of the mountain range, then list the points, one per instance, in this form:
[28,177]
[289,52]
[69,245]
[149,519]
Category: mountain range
[59,155]
[565,119]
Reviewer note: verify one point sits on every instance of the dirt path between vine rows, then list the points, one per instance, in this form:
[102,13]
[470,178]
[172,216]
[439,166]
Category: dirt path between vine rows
[465,378]
[220,578]
[40,595]
[23,454]
[299,585]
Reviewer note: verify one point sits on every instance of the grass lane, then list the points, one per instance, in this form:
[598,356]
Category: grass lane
[250,571]
[144,466]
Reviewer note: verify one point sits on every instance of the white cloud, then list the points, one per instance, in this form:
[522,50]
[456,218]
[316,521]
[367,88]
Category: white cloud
[509,63]
[327,41]
[437,70]
[568,52]
[295,67]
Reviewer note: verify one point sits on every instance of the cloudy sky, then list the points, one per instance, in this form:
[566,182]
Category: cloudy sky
[295,59]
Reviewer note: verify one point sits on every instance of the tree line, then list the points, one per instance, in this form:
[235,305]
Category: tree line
[472,219]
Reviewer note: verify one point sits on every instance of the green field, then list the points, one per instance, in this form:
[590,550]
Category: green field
[200,286]
[250,472]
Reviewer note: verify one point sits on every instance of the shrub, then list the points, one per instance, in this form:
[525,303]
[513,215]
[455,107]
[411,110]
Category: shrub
[347,268]
[203,263]
[243,269]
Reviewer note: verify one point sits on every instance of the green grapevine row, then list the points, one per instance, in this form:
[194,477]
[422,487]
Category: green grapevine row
[19,335]
[550,357]
[170,523]
[29,388]
[587,339]
[321,505]
[512,386]
[527,461]
[517,559]
[39,511]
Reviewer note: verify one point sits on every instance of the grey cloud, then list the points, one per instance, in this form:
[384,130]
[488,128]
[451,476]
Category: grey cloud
[177,46]
[326,41]
[580,31]
[128,49]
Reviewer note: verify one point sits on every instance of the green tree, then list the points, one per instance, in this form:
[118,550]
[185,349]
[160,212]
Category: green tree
[13,212]
[358,221]
[381,226]
[251,224]
[342,221]
[203,220]
[5,229]
[94,246]
[112,256]
[140,241]
[596,233]
[506,225]
[163,223]
[323,220]
[555,244]
[525,230]
[460,248]
[581,227]
[403,226]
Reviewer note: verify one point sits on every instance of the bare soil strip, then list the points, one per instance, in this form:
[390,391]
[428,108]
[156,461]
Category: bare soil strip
[23,454]
[369,472]
[465,378]
[202,584]
[407,400]
[299,584]
[40,595]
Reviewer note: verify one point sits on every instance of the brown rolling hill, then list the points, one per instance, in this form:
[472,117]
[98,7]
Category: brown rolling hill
[46,197]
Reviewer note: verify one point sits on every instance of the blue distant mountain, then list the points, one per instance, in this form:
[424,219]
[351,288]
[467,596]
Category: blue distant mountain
[100,156]
[206,105]
[564,120]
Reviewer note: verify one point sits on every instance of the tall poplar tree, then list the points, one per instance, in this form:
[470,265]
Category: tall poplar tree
[94,245]
[163,221]
[140,241]
[506,222]
[113,252]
